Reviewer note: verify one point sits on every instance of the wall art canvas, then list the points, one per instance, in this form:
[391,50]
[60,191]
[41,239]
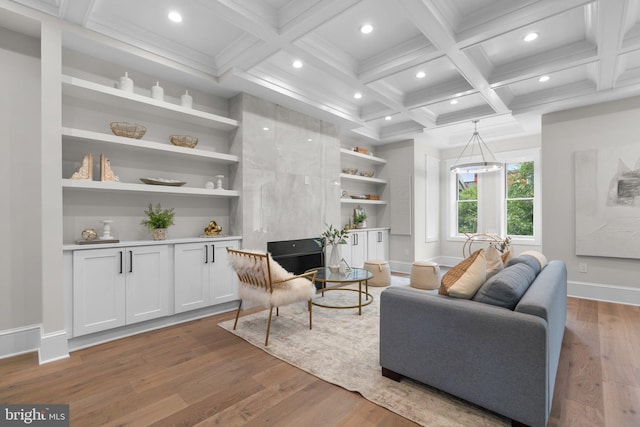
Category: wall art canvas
[607,199]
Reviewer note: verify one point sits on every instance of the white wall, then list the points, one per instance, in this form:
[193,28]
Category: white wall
[399,213]
[606,125]
[20,269]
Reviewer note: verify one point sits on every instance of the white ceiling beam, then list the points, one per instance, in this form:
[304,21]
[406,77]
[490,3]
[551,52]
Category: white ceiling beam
[433,25]
[518,18]
[610,29]
[274,38]
[561,58]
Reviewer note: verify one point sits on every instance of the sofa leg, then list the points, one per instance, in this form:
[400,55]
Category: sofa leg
[515,423]
[392,375]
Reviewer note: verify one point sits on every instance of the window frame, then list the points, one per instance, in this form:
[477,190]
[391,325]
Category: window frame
[515,156]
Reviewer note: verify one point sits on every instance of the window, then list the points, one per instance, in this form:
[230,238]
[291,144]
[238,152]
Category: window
[467,201]
[519,198]
[506,202]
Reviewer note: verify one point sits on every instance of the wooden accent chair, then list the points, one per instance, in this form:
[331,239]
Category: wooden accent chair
[264,281]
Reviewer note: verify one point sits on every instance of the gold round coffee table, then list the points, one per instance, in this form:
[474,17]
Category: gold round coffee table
[355,275]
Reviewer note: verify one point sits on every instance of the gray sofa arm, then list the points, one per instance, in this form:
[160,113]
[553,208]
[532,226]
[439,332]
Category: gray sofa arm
[491,356]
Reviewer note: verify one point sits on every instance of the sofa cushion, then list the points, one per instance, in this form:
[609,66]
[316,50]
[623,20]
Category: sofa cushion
[463,280]
[525,259]
[507,287]
[494,261]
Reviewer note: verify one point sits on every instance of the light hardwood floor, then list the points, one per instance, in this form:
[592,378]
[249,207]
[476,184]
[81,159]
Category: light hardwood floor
[199,374]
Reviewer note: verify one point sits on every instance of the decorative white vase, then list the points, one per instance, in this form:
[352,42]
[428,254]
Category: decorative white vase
[125,83]
[335,255]
[157,92]
[186,100]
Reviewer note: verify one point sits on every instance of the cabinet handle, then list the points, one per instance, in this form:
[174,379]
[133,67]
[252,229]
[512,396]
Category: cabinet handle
[120,262]
[206,254]
[213,253]
[379,236]
[130,261]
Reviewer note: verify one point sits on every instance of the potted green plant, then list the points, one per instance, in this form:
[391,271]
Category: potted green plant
[158,220]
[360,219]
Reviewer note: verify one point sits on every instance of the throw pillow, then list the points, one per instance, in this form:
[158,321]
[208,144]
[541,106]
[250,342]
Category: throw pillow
[506,256]
[507,287]
[463,280]
[525,259]
[494,261]
[542,260]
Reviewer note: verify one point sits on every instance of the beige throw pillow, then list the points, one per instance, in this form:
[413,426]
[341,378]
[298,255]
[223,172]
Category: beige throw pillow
[463,280]
[493,258]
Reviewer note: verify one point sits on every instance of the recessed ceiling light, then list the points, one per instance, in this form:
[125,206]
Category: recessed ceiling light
[265,128]
[366,28]
[453,102]
[421,74]
[309,139]
[297,64]
[357,95]
[530,37]
[544,79]
[175,16]
[387,118]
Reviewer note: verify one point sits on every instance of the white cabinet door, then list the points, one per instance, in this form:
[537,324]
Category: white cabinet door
[98,290]
[147,283]
[191,276]
[224,282]
[377,242]
[355,251]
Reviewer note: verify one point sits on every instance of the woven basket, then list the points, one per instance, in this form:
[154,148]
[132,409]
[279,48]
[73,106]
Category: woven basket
[184,140]
[128,130]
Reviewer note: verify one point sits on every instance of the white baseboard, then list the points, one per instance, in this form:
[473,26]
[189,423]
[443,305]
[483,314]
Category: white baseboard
[601,292]
[53,346]
[19,340]
[400,267]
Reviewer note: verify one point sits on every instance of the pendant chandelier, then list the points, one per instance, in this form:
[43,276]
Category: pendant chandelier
[488,162]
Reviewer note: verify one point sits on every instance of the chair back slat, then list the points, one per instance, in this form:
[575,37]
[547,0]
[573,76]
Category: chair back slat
[252,268]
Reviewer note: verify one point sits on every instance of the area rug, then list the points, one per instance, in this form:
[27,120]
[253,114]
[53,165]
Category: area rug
[343,349]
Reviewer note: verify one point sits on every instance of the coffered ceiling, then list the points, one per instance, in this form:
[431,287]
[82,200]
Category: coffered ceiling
[475,60]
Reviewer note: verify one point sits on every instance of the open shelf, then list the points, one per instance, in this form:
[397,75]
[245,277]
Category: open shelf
[90,138]
[84,89]
[71,184]
[363,201]
[364,157]
[361,178]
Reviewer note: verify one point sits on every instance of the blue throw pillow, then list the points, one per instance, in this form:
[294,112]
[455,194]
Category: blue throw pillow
[507,287]
[526,259]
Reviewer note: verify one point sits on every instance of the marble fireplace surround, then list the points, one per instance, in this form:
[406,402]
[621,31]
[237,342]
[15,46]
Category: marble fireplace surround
[289,173]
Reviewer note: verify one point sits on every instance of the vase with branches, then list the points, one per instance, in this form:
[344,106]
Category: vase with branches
[334,237]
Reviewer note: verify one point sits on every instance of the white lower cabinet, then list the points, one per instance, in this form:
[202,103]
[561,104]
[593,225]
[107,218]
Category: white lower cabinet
[203,276]
[364,245]
[377,243]
[355,251]
[119,286]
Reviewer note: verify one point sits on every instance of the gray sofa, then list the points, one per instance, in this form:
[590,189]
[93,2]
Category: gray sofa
[502,360]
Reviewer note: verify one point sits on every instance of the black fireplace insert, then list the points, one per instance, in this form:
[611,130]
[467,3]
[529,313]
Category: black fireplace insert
[298,256]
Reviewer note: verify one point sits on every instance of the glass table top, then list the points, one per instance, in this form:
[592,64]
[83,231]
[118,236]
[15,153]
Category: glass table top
[355,275]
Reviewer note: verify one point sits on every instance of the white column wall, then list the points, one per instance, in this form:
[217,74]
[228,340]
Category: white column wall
[20,271]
